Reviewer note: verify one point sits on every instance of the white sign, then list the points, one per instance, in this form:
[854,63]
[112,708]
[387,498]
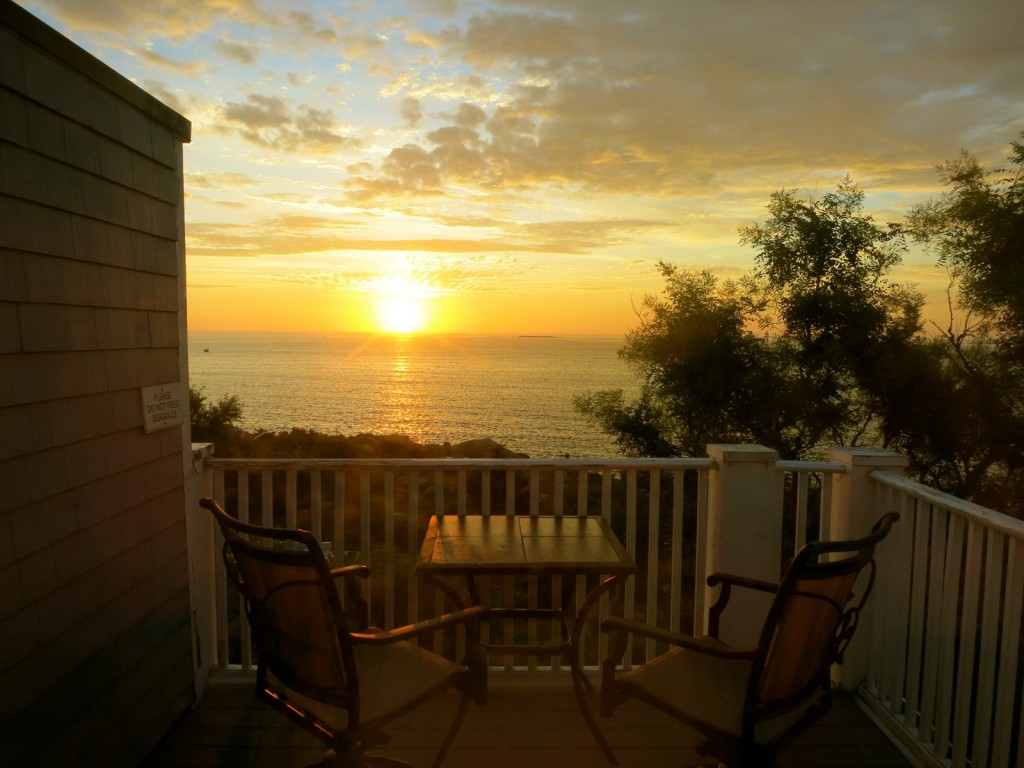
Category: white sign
[163,407]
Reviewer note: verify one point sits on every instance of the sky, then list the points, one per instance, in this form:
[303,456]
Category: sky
[521,166]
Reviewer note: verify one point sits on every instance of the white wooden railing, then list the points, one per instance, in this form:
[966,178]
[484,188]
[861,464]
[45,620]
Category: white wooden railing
[375,512]
[940,653]
[946,673]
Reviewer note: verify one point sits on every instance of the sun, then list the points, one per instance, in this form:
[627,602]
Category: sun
[402,301]
[401,314]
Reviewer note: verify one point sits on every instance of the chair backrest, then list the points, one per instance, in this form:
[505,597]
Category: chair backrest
[813,617]
[294,611]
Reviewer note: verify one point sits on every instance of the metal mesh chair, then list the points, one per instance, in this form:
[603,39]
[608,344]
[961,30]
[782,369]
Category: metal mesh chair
[318,660]
[751,701]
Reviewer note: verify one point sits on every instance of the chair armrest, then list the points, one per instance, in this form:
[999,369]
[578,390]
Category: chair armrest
[464,616]
[677,639]
[362,571]
[353,597]
[727,581]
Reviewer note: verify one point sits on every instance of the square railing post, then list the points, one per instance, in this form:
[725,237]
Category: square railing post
[742,533]
[854,511]
[202,560]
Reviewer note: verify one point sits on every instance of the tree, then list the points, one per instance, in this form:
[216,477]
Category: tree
[841,357]
[212,422]
[704,376]
[822,278]
[822,299]
[977,229]
[973,445]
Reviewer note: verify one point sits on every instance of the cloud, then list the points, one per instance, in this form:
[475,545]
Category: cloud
[187,68]
[219,180]
[572,127]
[431,274]
[243,53]
[411,112]
[309,27]
[171,19]
[270,122]
[308,233]
[668,100]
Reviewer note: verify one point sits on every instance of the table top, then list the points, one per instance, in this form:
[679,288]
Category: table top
[538,545]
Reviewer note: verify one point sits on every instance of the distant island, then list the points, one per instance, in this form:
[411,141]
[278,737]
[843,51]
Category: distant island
[535,336]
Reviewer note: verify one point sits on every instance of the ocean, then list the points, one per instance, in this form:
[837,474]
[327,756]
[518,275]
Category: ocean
[516,390]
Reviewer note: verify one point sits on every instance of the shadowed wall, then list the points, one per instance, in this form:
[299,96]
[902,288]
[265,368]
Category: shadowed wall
[95,649]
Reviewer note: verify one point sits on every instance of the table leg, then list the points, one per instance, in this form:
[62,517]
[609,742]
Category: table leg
[580,683]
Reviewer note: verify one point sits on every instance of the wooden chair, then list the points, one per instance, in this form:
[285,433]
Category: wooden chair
[750,702]
[319,661]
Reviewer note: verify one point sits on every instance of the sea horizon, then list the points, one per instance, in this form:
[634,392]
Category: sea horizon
[516,389]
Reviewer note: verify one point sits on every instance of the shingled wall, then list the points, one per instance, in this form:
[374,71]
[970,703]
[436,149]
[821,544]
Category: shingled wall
[95,639]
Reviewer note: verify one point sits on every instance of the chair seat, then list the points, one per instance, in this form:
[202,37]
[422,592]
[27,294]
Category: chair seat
[393,678]
[707,689]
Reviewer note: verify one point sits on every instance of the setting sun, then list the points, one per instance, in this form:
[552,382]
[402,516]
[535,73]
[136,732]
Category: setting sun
[401,314]
[401,303]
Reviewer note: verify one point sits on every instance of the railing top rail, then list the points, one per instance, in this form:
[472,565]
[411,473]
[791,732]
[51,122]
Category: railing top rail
[459,463]
[982,515]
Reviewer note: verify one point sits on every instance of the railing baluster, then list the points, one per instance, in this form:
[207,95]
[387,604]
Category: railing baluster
[315,509]
[896,598]
[534,492]
[988,637]
[291,494]
[439,492]
[220,581]
[413,546]
[510,492]
[582,485]
[971,580]
[918,601]
[389,546]
[244,630]
[653,528]
[630,602]
[676,569]
[485,492]
[267,498]
[558,493]
[338,517]
[365,540]
[932,659]
[532,587]
[802,481]
[949,628]
[461,493]
[700,607]
[1005,733]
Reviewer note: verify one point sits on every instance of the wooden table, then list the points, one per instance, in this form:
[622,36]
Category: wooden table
[473,546]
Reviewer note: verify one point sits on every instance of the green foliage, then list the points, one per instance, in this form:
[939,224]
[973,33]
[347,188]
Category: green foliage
[778,358]
[818,346]
[977,229]
[973,442]
[212,422]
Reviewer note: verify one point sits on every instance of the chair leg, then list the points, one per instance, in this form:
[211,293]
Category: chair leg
[460,713]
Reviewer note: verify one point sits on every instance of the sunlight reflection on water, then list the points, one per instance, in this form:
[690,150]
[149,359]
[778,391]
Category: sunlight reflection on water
[515,390]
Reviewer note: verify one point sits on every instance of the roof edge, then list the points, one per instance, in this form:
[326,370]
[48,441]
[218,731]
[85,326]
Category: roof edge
[46,38]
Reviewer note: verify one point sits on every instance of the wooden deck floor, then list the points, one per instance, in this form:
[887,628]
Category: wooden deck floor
[530,720]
